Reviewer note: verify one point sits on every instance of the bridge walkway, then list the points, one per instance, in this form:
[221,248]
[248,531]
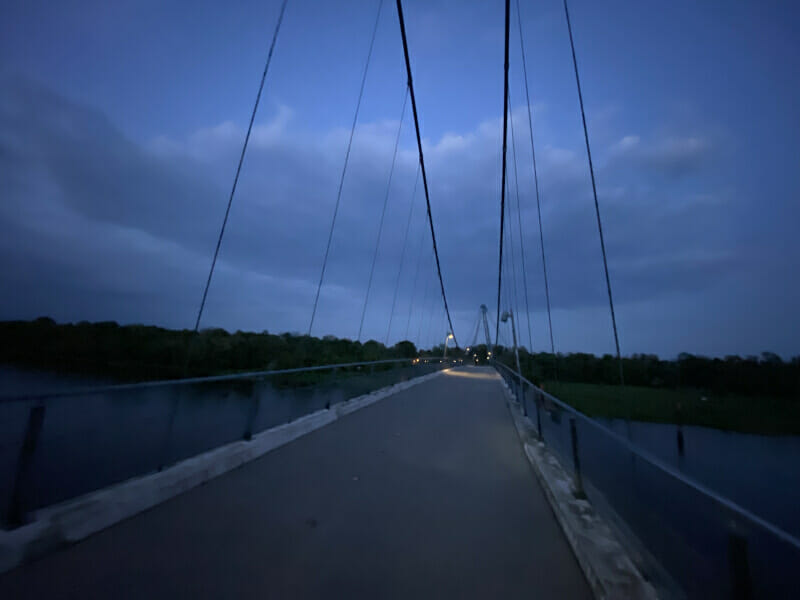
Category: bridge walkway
[424,494]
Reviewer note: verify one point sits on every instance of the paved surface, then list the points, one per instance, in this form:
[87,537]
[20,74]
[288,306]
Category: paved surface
[425,494]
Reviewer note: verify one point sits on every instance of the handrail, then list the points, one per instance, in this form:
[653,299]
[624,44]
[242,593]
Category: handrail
[661,465]
[119,387]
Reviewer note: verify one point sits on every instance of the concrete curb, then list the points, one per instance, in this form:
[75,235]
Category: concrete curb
[74,520]
[606,564]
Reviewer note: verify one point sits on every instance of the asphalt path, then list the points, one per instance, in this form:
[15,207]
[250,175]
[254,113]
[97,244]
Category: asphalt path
[425,494]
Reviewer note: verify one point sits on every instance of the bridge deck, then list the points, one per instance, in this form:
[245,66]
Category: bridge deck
[424,494]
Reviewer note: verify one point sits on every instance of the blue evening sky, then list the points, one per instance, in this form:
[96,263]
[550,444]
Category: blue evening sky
[121,123]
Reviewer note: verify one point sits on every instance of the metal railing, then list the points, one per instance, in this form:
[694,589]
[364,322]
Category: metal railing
[58,445]
[708,544]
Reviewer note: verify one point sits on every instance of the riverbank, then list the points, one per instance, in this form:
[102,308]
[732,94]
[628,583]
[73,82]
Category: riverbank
[130,353]
[768,416]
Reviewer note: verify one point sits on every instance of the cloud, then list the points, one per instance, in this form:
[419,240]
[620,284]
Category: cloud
[94,226]
[673,157]
[626,144]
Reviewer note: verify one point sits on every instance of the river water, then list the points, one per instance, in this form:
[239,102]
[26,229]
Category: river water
[759,472]
[90,441]
[687,531]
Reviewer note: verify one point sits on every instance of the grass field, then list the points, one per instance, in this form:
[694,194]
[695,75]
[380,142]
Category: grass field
[734,413]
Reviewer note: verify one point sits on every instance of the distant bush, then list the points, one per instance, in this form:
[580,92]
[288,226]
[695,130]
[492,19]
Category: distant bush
[141,352]
[765,376]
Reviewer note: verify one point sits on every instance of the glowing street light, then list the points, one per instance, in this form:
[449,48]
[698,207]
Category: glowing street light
[449,337]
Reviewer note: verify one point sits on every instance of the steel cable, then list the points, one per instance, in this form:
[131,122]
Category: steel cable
[422,158]
[594,192]
[239,165]
[502,175]
[383,213]
[344,167]
[402,257]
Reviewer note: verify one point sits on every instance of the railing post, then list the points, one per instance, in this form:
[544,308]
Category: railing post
[19,493]
[334,370]
[162,458]
[524,404]
[741,584]
[255,403]
[679,423]
[576,460]
[538,402]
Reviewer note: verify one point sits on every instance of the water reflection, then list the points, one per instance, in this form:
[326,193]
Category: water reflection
[90,441]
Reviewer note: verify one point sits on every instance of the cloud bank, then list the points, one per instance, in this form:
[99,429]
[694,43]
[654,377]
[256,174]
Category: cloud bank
[94,226]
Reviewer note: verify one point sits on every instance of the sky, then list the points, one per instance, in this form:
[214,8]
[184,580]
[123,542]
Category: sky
[121,125]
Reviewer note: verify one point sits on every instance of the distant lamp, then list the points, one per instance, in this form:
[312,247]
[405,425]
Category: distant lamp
[447,338]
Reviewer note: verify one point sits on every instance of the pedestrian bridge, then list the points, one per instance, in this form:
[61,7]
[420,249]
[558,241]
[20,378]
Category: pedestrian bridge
[424,494]
[437,487]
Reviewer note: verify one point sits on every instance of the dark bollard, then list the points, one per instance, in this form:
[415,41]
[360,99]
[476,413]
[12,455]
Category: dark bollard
[333,380]
[538,415]
[576,460]
[255,403]
[741,584]
[19,494]
[679,423]
[165,445]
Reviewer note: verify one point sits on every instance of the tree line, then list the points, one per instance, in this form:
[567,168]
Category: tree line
[140,353]
[764,375]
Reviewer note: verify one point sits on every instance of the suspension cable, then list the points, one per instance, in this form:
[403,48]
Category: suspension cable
[536,186]
[426,331]
[422,159]
[519,224]
[383,213]
[344,167]
[514,304]
[239,166]
[511,286]
[420,253]
[441,321]
[502,176]
[402,257]
[424,309]
[594,192]
[510,281]
[428,323]
[506,300]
